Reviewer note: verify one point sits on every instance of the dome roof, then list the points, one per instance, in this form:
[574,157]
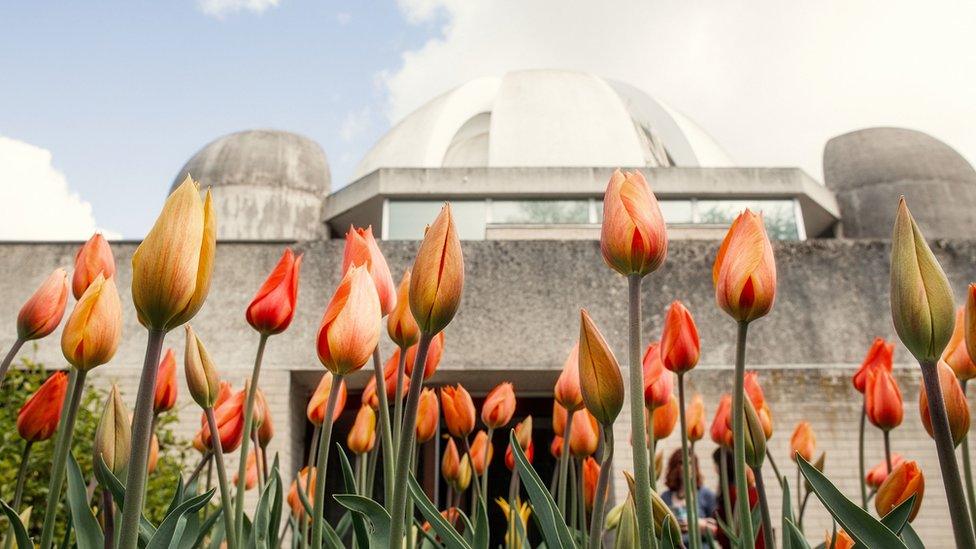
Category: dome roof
[539,118]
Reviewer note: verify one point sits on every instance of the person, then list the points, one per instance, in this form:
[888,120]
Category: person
[720,511]
[674,497]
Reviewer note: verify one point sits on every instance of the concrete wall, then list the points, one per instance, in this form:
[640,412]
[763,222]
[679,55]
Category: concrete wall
[520,316]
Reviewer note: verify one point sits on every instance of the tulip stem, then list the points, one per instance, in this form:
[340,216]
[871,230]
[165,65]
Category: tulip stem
[406,442]
[769,457]
[250,387]
[475,487]
[257,461]
[961,526]
[322,462]
[651,448]
[887,449]
[216,446]
[62,445]
[564,462]
[574,508]
[9,358]
[767,523]
[514,540]
[371,472]
[386,433]
[19,490]
[860,459]
[967,470]
[642,472]
[581,502]
[108,515]
[135,479]
[398,396]
[602,485]
[204,460]
[748,537]
[723,472]
[803,508]
[694,540]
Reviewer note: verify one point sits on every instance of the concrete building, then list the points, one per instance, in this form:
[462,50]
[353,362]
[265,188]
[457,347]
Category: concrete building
[524,158]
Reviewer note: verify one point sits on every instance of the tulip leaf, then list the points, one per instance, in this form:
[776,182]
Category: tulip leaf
[88,534]
[444,529]
[378,517]
[205,527]
[19,532]
[897,518]
[910,537]
[429,540]
[331,538]
[482,530]
[792,536]
[626,536]
[107,479]
[173,527]
[261,533]
[667,541]
[551,522]
[362,536]
[861,526]
[787,513]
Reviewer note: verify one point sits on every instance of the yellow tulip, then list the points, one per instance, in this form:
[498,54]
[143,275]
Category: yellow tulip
[91,335]
[600,381]
[437,277]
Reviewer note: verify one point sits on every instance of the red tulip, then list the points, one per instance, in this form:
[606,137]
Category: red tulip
[350,327]
[956,405]
[362,436]
[434,354]
[744,273]
[880,355]
[556,447]
[906,480]
[230,423]
[273,307]
[633,239]
[584,434]
[42,313]
[166,391]
[38,417]
[428,413]
[956,354]
[93,258]
[499,406]
[567,390]
[320,400]
[879,472]
[481,453]
[680,347]
[721,434]
[658,382]
[361,249]
[803,442]
[882,400]
[665,418]
[459,413]
[591,475]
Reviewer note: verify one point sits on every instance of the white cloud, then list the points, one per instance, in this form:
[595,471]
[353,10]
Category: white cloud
[355,124]
[220,8]
[343,18]
[770,80]
[37,202]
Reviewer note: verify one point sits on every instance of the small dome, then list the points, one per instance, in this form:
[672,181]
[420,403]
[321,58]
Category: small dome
[267,184]
[539,118]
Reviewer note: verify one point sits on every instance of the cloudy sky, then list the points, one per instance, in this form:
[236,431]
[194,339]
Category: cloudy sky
[102,102]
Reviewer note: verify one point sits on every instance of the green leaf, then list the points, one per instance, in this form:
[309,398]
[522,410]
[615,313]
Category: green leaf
[88,534]
[107,479]
[792,536]
[911,538]
[362,536]
[205,527]
[861,526]
[331,538]
[177,496]
[668,541]
[19,532]
[551,522]
[374,513]
[626,536]
[787,515]
[277,504]
[447,533]
[171,531]
[482,530]
[260,537]
[897,518]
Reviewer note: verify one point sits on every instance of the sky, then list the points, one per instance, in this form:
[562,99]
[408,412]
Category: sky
[102,102]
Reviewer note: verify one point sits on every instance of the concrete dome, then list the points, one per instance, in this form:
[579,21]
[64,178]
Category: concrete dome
[267,185]
[547,118]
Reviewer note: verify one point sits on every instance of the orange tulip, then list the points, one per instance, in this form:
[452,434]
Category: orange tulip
[362,436]
[584,434]
[320,400]
[93,258]
[970,321]
[273,307]
[591,475]
[459,413]
[744,273]
[153,454]
[658,382]
[390,379]
[840,541]
[428,412]
[523,434]
[42,313]
[92,333]
[38,417]
[482,451]
[369,394]
[879,472]
[567,390]
[251,478]
[721,434]
[230,423]
[601,384]
[558,418]
[434,354]
[754,390]
[882,400]
[880,355]
[451,462]
[401,325]
[437,277]
[294,500]
[665,418]
[765,416]
[165,396]
[350,327]
[956,355]
[904,481]
[499,406]
[680,347]
[556,447]
[361,249]
[695,416]
[265,426]
[224,392]
[450,515]
[803,442]
[633,239]
[956,405]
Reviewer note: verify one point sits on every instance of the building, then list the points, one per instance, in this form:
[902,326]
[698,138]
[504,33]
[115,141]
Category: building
[524,158]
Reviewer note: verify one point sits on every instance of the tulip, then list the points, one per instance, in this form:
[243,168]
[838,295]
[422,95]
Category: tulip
[201,374]
[880,355]
[153,454]
[390,378]
[451,462]
[658,382]
[273,307]
[230,423]
[92,333]
[42,313]
[882,400]
[434,353]
[350,327]
[172,266]
[556,447]
[665,418]
[523,435]
[584,435]
[956,354]
[744,273]
[459,413]
[450,515]
[317,404]
[303,480]
[521,511]
[93,258]
[266,425]
[971,321]
[499,406]
[38,418]
[601,385]
[879,473]
[428,412]
[754,390]
[481,453]
[401,325]
[591,474]
[633,240]
[568,392]
[165,396]
[680,347]
[720,431]
[840,541]
[956,405]
[755,438]
[696,419]
[251,478]
[113,436]
[361,249]
[803,443]
[224,392]
[362,436]
[437,277]
[906,480]
[766,420]
[465,472]
[558,418]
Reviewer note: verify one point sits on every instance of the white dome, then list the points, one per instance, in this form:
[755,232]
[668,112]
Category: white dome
[541,118]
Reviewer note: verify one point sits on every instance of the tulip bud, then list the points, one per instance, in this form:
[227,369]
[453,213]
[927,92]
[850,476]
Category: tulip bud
[153,453]
[556,447]
[584,434]
[695,416]
[39,416]
[744,273]
[172,266]
[956,405]
[567,391]
[558,418]
[165,395]
[428,412]
[803,442]
[818,465]
[481,453]
[273,307]
[877,475]
[451,462]
[434,353]
[459,414]
[361,250]
[265,425]
[464,474]
[523,435]
[661,513]
[251,475]
[755,437]
[591,475]
[971,321]
[680,347]
[113,437]
[320,400]
[601,384]
[201,374]
[294,501]
[401,326]
[499,406]
[658,382]
[880,355]
[882,400]
[91,334]
[350,327]
[904,481]
[42,313]
[956,354]
[921,299]
[362,436]
[390,370]
[766,420]
[754,390]
[720,431]
[93,258]
[230,423]
[633,239]
[840,541]
[664,418]
[437,277]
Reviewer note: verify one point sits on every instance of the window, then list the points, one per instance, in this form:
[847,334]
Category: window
[674,211]
[779,215]
[544,212]
[409,218]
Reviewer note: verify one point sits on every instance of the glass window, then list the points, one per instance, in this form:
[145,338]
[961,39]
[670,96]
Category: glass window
[407,219]
[779,215]
[547,212]
[674,211]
